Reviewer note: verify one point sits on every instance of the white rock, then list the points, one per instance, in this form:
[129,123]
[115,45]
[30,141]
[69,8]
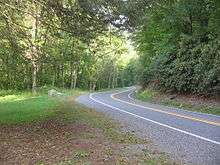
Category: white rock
[53,93]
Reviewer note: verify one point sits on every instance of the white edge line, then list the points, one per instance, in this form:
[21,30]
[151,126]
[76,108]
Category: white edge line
[155,122]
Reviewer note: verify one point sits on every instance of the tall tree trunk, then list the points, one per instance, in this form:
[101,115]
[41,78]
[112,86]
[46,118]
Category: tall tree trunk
[113,81]
[114,77]
[58,74]
[34,49]
[63,78]
[71,75]
[122,80]
[90,86]
[94,86]
[75,78]
[34,77]
[29,77]
[54,77]
[109,80]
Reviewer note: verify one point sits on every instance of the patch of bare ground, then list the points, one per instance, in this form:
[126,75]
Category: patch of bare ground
[191,99]
[55,141]
[200,103]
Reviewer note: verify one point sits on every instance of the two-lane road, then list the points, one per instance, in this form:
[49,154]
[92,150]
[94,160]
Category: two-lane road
[191,137]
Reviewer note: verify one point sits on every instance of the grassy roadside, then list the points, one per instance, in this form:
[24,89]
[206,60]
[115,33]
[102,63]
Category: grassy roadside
[42,130]
[150,95]
[22,107]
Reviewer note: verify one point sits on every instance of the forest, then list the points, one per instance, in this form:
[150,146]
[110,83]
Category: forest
[179,46]
[84,44]
[60,43]
[114,82]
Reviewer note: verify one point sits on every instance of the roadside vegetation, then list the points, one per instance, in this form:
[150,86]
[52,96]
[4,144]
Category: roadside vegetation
[168,45]
[187,102]
[25,108]
[179,48]
[22,107]
[37,129]
[61,43]
[76,46]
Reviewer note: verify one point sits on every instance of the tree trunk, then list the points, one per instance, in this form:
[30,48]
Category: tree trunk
[90,86]
[94,86]
[63,78]
[34,77]
[58,73]
[34,49]
[73,76]
[73,79]
[109,80]
[114,77]
[113,81]
[29,77]
[54,76]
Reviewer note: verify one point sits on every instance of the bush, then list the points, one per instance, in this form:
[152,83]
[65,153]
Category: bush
[194,68]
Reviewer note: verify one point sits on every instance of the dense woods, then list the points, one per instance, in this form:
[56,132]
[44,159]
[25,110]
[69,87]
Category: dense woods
[77,43]
[179,46]
[60,43]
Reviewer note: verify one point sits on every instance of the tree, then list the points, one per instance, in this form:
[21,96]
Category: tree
[178,46]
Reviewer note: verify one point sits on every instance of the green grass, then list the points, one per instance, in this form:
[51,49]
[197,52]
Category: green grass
[149,95]
[23,107]
[81,154]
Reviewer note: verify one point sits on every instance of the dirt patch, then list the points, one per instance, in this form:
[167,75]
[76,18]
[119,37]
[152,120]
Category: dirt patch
[50,142]
[55,142]
[78,136]
[195,100]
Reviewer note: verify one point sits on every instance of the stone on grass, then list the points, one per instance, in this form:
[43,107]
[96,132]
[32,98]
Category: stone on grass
[54,93]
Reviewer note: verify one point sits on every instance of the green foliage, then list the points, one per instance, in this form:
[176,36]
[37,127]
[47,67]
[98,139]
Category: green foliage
[130,73]
[146,95]
[81,154]
[179,46]
[60,43]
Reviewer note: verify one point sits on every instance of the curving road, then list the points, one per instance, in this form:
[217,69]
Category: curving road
[190,137]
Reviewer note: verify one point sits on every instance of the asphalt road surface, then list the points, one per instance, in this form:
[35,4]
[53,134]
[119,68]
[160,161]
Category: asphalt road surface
[190,137]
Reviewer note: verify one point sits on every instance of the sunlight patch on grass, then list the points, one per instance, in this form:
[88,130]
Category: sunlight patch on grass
[27,110]
[23,107]
[12,98]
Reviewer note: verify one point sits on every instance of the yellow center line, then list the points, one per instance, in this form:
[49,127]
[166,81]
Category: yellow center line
[169,113]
